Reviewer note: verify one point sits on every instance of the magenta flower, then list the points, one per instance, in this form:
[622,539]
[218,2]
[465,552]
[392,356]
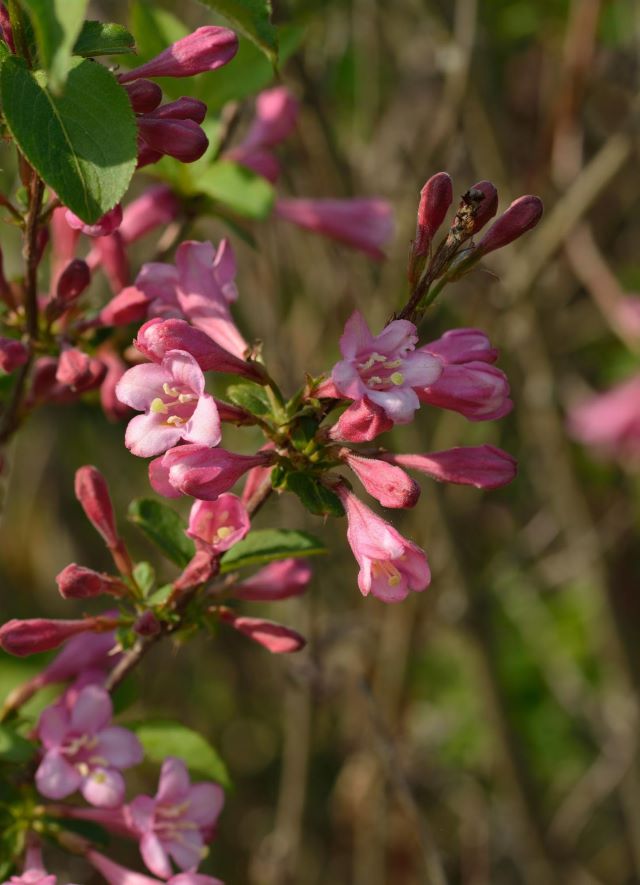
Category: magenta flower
[278,580]
[385,368]
[387,484]
[115,874]
[13,354]
[177,822]
[88,651]
[83,751]
[610,422]
[44,634]
[276,638]
[390,566]
[459,346]
[205,49]
[201,472]
[362,224]
[485,467]
[34,872]
[176,406]
[219,524]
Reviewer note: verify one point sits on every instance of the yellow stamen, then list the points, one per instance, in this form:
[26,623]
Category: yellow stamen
[158,406]
[397,378]
[170,391]
[186,398]
[224,531]
[175,421]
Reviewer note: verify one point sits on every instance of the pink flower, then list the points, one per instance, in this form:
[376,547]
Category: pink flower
[278,580]
[276,638]
[82,751]
[115,874]
[275,118]
[390,566]
[385,368]
[523,214]
[156,207]
[176,406]
[485,467]
[362,224]
[387,484]
[104,226]
[361,422]
[34,872]
[88,651]
[177,822]
[205,49]
[13,354]
[43,634]
[477,390]
[201,472]
[610,422]
[459,346]
[220,524]
[78,370]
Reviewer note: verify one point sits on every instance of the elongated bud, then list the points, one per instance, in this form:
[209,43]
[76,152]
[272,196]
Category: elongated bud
[202,568]
[206,49]
[485,467]
[144,96]
[487,207]
[387,484]
[523,214]
[363,421]
[93,494]
[182,139]
[104,226]
[278,580]
[156,207]
[277,638]
[41,634]
[184,108]
[128,306]
[435,199]
[459,346]
[73,280]
[77,582]
[13,354]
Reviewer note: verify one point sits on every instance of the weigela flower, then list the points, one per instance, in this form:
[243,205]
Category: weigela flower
[175,404]
[200,471]
[385,368]
[477,390]
[219,524]
[361,422]
[459,346]
[610,422]
[485,467]
[278,580]
[115,874]
[390,565]
[205,49]
[104,226]
[83,751]
[276,638]
[275,117]
[34,872]
[387,484]
[177,822]
[43,634]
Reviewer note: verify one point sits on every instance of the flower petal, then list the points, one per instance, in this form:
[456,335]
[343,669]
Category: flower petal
[140,385]
[92,710]
[120,747]
[356,337]
[399,404]
[104,787]
[174,784]
[155,856]
[184,370]
[204,425]
[148,435]
[53,725]
[55,778]
[205,803]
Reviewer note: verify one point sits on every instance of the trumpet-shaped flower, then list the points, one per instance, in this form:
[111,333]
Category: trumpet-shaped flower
[219,524]
[174,402]
[385,368]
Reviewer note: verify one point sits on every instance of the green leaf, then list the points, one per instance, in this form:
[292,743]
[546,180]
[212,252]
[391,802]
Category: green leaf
[304,432]
[251,397]
[144,576]
[239,188]
[101,38]
[82,143]
[161,595]
[267,545]
[56,24]
[316,498]
[165,738]
[164,527]
[13,747]
[253,19]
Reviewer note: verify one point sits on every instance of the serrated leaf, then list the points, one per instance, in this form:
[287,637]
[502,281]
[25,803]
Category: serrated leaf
[82,143]
[13,747]
[251,397]
[239,188]
[316,498]
[164,527]
[103,38]
[166,738]
[56,25]
[267,545]
[253,19]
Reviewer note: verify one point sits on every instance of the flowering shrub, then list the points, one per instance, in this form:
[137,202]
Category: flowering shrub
[57,348]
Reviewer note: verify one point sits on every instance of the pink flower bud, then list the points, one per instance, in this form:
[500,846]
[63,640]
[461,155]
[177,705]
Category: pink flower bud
[73,280]
[93,494]
[182,139]
[435,198]
[184,108]
[147,624]
[106,225]
[63,244]
[202,472]
[156,207]
[462,346]
[387,484]
[488,207]
[277,638]
[260,161]
[205,49]
[275,118]
[157,337]
[41,634]
[278,580]
[111,405]
[477,390]
[5,27]
[485,467]
[202,568]
[77,582]
[219,524]
[144,96]
[523,214]
[79,371]
[362,224]
[13,354]
[110,254]
[128,306]
[361,422]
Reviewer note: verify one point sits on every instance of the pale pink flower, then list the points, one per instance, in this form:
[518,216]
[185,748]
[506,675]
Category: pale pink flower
[200,471]
[276,638]
[205,49]
[35,635]
[177,822]
[115,874]
[277,580]
[83,751]
[219,524]
[610,422]
[485,467]
[275,118]
[459,346]
[385,368]
[387,484]
[175,404]
[365,224]
[390,565]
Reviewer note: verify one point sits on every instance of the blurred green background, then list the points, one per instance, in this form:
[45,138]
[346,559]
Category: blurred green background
[487,728]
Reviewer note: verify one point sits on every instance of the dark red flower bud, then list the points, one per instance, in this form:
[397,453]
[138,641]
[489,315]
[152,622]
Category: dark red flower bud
[13,353]
[73,280]
[144,95]
[435,198]
[182,139]
[184,108]
[523,214]
[147,624]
